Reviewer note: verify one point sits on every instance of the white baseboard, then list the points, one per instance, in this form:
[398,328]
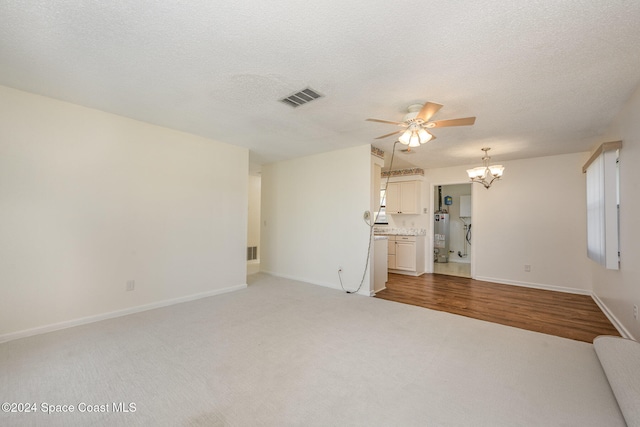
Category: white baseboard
[405,272]
[535,285]
[612,318]
[253,267]
[379,290]
[362,290]
[302,279]
[118,313]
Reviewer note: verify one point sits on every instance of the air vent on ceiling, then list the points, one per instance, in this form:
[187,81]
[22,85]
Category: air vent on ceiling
[299,98]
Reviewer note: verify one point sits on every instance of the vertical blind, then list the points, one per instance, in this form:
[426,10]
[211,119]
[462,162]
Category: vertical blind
[595,211]
[602,206]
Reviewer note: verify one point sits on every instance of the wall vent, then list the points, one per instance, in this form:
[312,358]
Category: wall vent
[300,98]
[252,253]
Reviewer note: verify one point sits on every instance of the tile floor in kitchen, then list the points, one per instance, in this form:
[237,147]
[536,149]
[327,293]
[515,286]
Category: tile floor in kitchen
[460,269]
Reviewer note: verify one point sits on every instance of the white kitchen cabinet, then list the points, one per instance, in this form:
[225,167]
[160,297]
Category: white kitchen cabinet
[392,198]
[406,253]
[403,197]
[391,252]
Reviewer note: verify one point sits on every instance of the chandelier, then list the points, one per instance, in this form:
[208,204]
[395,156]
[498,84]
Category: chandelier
[483,173]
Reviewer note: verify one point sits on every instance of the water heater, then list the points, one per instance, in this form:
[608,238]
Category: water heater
[441,237]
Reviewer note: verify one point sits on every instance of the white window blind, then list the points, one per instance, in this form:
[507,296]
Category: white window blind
[602,205]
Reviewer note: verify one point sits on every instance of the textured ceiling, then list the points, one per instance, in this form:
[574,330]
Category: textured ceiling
[542,77]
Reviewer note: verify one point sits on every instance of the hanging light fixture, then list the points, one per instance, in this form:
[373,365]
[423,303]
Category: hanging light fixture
[484,172]
[415,136]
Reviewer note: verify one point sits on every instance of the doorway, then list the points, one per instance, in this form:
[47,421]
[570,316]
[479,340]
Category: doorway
[452,229]
[253,225]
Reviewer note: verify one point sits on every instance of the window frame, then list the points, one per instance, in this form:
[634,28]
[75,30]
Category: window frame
[603,205]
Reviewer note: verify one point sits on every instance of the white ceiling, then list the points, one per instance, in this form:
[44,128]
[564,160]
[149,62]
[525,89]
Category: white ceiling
[542,77]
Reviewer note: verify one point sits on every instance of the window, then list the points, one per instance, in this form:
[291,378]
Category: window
[603,203]
[381,214]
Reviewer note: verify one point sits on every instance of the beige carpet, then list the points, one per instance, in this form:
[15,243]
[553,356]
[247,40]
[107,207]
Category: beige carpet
[285,353]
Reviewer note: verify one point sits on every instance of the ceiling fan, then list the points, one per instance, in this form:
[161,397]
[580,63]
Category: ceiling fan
[418,120]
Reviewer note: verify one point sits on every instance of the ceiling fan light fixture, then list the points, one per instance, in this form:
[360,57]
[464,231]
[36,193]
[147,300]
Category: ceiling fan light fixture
[405,138]
[414,141]
[417,121]
[424,136]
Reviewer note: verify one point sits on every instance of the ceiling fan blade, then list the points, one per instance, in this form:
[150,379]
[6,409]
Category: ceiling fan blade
[384,121]
[428,110]
[389,134]
[467,121]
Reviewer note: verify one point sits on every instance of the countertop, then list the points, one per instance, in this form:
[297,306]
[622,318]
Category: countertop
[385,231]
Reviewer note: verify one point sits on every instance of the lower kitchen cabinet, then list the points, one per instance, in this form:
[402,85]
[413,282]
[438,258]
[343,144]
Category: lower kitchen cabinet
[406,254]
[391,253]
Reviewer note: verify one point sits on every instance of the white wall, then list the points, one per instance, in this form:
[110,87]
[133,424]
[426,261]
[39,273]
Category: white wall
[312,217]
[89,200]
[620,290]
[535,215]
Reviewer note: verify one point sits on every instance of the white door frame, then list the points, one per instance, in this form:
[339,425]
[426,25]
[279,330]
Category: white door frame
[432,209]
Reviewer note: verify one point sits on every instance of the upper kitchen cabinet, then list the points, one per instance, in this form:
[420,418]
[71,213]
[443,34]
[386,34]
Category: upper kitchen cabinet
[403,197]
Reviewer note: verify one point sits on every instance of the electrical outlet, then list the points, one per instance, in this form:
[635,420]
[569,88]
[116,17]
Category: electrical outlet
[131,285]
[635,311]
[527,268]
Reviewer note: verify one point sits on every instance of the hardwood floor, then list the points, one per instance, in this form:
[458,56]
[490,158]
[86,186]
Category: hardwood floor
[556,313]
